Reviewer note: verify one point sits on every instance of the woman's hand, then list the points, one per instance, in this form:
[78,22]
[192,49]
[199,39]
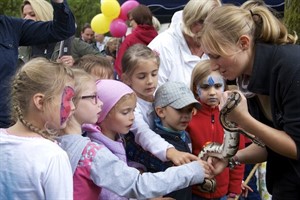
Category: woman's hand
[66,60]
[239,112]
[245,189]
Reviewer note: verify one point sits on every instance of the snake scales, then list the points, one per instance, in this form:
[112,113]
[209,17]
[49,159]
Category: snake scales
[230,144]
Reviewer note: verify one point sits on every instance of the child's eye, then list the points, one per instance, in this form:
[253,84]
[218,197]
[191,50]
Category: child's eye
[125,112]
[205,86]
[141,77]
[154,73]
[218,85]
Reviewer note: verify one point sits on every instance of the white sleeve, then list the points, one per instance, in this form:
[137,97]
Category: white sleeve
[148,139]
[164,47]
[58,183]
[109,172]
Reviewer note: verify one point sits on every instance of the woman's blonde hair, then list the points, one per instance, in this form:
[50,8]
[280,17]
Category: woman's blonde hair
[222,33]
[37,76]
[195,11]
[200,72]
[42,9]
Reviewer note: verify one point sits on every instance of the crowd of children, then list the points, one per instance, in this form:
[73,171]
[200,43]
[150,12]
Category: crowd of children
[84,131]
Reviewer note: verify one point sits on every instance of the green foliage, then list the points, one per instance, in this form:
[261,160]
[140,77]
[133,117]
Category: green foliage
[10,7]
[84,11]
[292,17]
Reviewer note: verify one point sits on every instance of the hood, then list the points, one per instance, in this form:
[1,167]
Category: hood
[145,33]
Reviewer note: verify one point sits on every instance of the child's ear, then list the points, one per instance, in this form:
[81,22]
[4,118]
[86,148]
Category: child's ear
[38,101]
[160,112]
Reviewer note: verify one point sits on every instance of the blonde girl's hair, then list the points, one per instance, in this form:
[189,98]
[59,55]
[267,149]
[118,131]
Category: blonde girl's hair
[91,63]
[82,80]
[38,76]
[42,9]
[134,54]
[222,33]
[200,72]
[195,11]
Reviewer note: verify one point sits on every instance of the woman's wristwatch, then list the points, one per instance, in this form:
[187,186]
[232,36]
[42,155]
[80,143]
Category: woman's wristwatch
[233,161]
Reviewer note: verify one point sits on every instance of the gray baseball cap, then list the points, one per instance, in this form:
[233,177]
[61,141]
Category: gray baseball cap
[175,94]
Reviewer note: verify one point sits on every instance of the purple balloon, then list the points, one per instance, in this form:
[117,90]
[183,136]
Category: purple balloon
[126,7]
[118,28]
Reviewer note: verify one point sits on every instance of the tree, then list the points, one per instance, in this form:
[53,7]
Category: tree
[84,11]
[292,17]
[11,7]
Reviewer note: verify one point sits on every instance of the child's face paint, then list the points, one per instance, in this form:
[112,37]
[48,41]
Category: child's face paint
[66,104]
[210,89]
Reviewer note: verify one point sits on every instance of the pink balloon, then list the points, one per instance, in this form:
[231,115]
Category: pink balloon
[118,28]
[126,7]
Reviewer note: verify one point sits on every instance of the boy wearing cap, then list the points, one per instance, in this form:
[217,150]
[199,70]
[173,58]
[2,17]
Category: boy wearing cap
[174,105]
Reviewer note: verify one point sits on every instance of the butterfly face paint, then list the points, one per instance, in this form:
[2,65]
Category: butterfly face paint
[66,101]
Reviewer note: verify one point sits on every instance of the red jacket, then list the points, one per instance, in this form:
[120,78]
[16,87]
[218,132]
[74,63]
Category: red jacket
[142,34]
[206,127]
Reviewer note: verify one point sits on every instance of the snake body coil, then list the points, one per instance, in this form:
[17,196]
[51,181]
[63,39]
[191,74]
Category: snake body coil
[231,140]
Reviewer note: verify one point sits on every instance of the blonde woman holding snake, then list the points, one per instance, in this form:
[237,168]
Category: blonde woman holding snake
[255,47]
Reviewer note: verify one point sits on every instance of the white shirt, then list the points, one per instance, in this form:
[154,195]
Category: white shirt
[33,168]
[142,129]
[176,59]
[176,18]
[101,46]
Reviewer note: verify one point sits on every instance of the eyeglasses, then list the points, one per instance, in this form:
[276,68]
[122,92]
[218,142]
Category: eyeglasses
[93,97]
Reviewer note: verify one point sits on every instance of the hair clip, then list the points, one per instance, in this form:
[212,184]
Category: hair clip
[155,53]
[251,13]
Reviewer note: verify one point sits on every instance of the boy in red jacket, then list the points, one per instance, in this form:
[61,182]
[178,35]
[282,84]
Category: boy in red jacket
[205,126]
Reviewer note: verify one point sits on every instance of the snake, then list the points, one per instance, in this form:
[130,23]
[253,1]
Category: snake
[231,140]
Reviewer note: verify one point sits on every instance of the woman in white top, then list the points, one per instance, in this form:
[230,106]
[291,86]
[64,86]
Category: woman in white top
[178,46]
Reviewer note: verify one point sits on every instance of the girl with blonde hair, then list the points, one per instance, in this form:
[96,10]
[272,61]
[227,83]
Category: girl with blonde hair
[33,166]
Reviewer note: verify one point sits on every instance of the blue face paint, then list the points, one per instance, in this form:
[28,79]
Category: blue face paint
[210,81]
[213,80]
[199,90]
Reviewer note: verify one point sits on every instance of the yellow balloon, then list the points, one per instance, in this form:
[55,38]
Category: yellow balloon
[110,8]
[100,24]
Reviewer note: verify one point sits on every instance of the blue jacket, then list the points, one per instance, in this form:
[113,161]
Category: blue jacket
[182,142]
[17,32]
